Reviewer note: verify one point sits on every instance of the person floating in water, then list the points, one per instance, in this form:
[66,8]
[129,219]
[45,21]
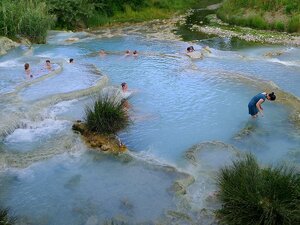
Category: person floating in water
[190,49]
[254,105]
[27,71]
[192,53]
[124,87]
[127,53]
[102,52]
[48,65]
[135,53]
[71,60]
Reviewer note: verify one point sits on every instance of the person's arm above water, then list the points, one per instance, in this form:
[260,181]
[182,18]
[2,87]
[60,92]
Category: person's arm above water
[258,105]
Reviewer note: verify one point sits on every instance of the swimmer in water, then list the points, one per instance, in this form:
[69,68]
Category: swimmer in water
[27,71]
[124,87]
[102,52]
[190,49]
[48,65]
[127,53]
[135,53]
[71,60]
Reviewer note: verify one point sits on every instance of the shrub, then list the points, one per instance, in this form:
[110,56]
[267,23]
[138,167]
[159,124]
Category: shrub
[106,116]
[257,21]
[251,195]
[71,13]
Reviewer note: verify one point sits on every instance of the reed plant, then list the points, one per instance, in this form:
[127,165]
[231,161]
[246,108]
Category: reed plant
[106,116]
[25,18]
[5,219]
[252,195]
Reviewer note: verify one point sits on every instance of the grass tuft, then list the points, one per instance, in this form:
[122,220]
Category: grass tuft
[252,195]
[107,116]
[5,219]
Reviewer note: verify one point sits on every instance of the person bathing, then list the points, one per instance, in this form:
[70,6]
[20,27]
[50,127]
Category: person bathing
[27,71]
[255,103]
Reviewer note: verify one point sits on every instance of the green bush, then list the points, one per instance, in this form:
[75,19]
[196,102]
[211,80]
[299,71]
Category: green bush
[72,13]
[279,26]
[257,22]
[251,195]
[106,116]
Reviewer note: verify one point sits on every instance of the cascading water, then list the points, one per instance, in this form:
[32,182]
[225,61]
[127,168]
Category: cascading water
[190,118]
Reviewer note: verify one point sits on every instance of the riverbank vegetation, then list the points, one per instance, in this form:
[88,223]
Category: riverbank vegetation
[23,18]
[32,18]
[280,15]
[252,195]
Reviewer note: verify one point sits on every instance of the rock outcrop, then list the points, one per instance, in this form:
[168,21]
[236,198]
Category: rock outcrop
[107,143]
[6,44]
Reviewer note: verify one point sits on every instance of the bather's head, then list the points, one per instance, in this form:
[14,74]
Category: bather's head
[190,49]
[271,96]
[71,60]
[124,86]
[26,66]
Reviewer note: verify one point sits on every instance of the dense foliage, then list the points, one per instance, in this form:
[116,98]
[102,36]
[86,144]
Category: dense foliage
[25,18]
[32,18]
[281,15]
[107,116]
[252,195]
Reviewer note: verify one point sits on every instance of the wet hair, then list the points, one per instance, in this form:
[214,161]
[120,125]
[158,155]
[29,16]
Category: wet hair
[26,66]
[123,84]
[135,52]
[127,52]
[272,96]
[190,49]
[47,61]
[71,60]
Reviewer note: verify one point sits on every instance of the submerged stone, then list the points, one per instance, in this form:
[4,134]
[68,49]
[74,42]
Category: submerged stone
[179,186]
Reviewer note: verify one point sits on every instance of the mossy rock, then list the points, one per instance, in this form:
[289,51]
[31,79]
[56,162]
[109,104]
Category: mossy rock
[102,142]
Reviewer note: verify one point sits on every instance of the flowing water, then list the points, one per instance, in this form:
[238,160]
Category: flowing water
[190,118]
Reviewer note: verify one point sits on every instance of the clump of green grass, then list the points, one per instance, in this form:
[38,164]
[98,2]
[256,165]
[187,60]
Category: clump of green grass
[5,219]
[129,15]
[107,116]
[294,24]
[252,195]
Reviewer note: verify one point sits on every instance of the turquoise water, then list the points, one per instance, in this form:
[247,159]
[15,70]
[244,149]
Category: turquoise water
[48,175]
